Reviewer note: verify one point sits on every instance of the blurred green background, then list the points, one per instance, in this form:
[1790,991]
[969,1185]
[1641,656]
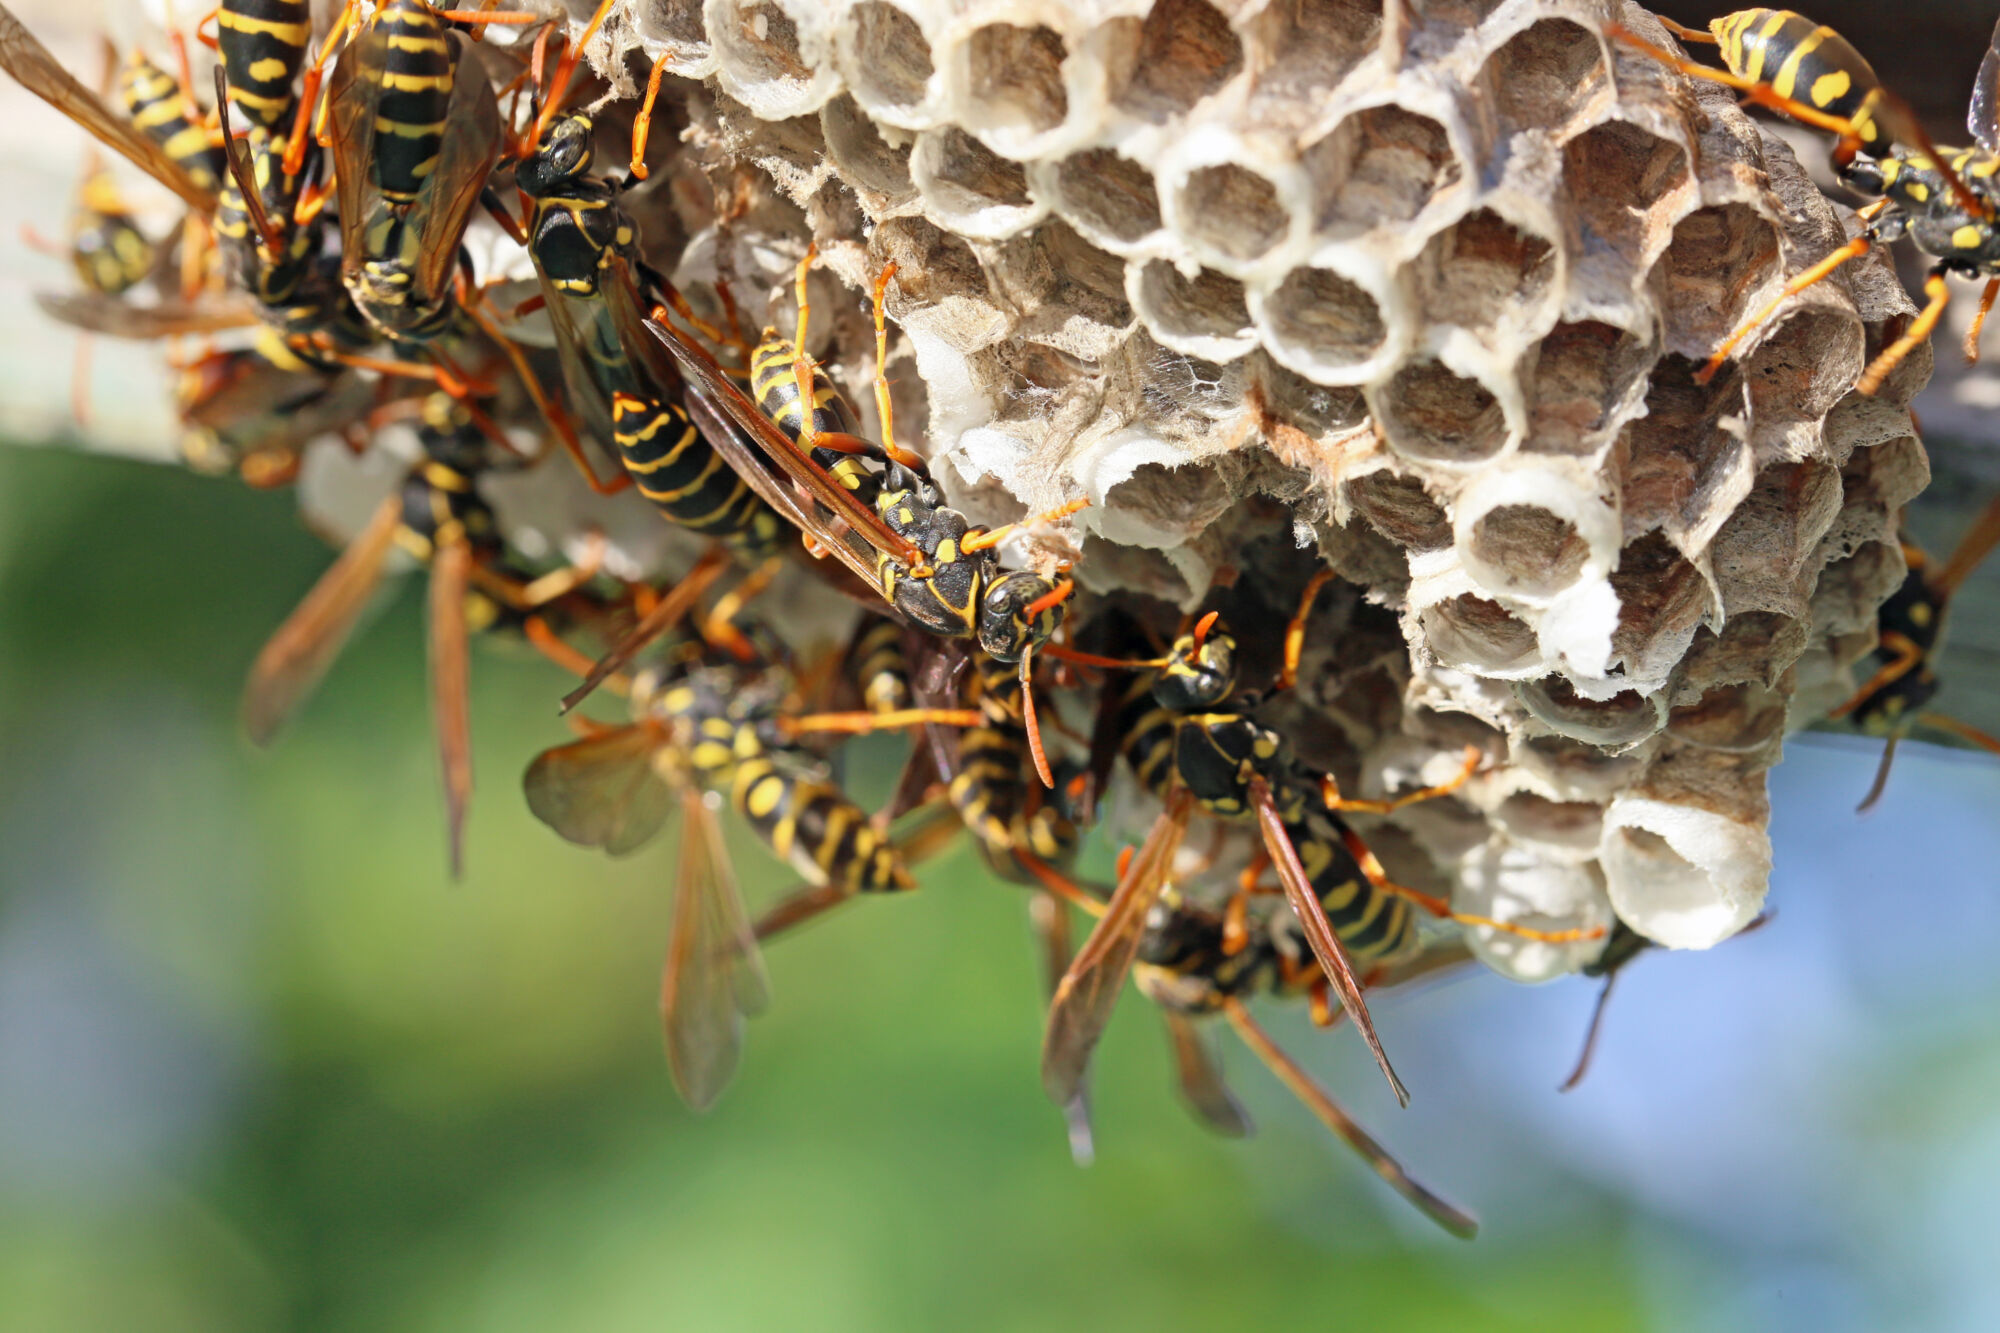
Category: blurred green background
[262,1066]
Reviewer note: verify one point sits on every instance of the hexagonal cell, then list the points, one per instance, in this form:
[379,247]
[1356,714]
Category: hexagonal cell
[1473,634]
[1573,826]
[1428,413]
[1762,552]
[1307,47]
[1915,371]
[1106,196]
[1681,875]
[678,26]
[972,189]
[1378,167]
[1615,176]
[768,59]
[1474,271]
[1661,597]
[1625,719]
[1229,211]
[1805,365]
[1756,645]
[940,286]
[1182,51]
[887,63]
[1679,456]
[1063,290]
[860,154]
[1528,550]
[1452,13]
[1585,374]
[1581,771]
[1735,719]
[1546,75]
[1320,324]
[1204,317]
[1718,260]
[1316,409]
[1397,506]
[1012,80]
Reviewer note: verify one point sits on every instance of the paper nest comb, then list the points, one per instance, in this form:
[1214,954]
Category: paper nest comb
[1431,282]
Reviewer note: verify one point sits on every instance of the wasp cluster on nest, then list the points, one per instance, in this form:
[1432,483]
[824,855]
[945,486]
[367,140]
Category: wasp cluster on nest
[1417,290]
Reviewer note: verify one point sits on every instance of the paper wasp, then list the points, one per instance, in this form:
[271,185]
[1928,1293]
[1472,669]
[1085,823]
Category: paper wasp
[890,527]
[620,384]
[415,130]
[720,726]
[1197,744]
[1910,628]
[252,410]
[437,517]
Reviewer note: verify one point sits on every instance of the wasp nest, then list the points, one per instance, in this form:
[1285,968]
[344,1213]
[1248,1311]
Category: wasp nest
[1425,284]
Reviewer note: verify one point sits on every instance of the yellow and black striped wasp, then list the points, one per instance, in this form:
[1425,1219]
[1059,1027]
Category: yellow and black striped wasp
[621,385]
[415,130]
[437,517]
[890,526]
[37,70]
[1198,744]
[718,727]
[1943,199]
[252,410]
[161,106]
[1187,966]
[1910,626]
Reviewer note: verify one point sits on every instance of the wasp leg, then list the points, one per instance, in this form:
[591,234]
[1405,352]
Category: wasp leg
[1330,790]
[1918,333]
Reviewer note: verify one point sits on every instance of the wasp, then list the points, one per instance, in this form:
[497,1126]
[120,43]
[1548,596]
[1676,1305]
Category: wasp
[159,105]
[1198,744]
[438,518]
[1942,199]
[717,729]
[252,410]
[415,129]
[1910,632]
[891,527]
[1185,966]
[624,389]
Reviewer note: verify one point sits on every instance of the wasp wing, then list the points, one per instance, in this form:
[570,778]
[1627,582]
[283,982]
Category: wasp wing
[113,317]
[36,69]
[714,976]
[706,376]
[450,666]
[295,658]
[583,337]
[1198,1074]
[602,791]
[1089,989]
[1971,551]
[1983,116]
[353,93]
[1319,932]
[471,146]
[1335,1117]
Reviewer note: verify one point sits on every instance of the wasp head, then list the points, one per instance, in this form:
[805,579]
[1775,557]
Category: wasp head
[562,156]
[1015,615]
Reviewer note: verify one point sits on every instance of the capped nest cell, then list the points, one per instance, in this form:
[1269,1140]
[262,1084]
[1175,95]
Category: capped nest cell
[1418,290]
